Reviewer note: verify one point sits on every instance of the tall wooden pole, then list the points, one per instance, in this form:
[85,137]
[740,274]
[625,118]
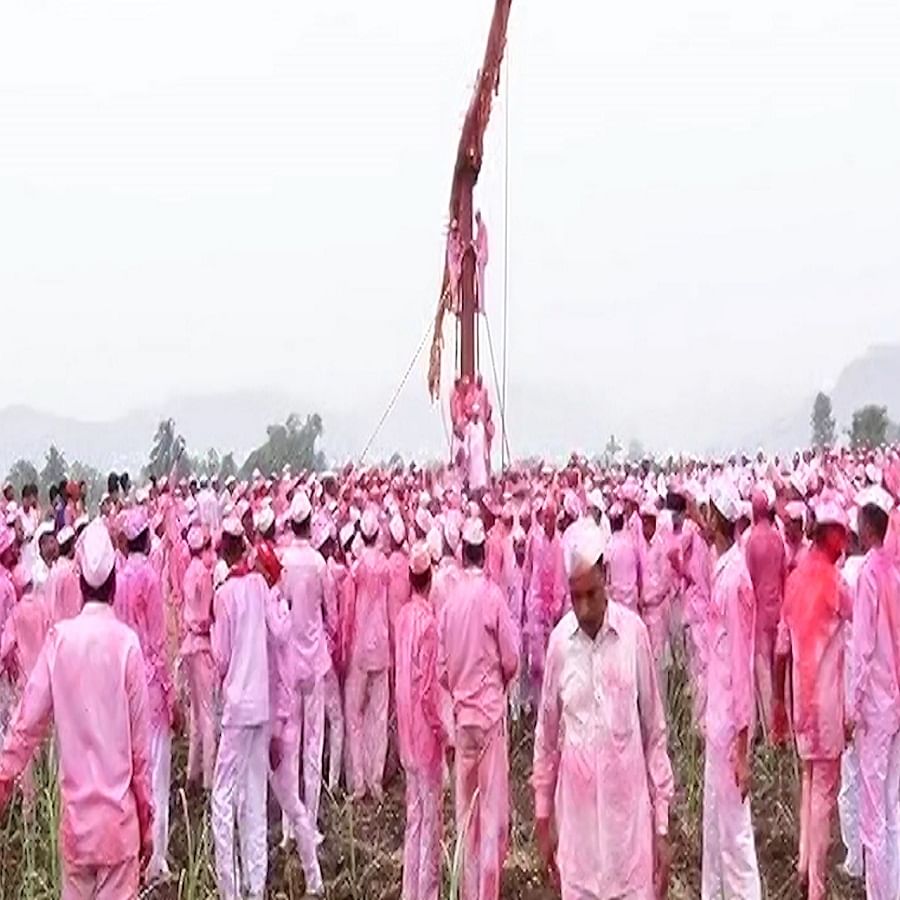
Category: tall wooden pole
[468,325]
[465,175]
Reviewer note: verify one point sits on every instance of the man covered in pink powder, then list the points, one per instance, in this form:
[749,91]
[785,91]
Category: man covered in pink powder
[817,603]
[602,776]
[367,689]
[139,603]
[478,659]
[729,868]
[623,567]
[20,645]
[420,732]
[658,590]
[768,570]
[303,586]
[547,592]
[63,590]
[244,618]
[196,655]
[102,736]
[875,698]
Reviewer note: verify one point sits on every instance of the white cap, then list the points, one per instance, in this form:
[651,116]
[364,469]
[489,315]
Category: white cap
[828,512]
[66,534]
[873,473]
[397,529]
[423,519]
[875,496]
[369,523]
[473,532]
[584,547]
[451,534]
[81,522]
[301,508]
[435,541]
[419,558]
[42,529]
[96,556]
[795,511]
[725,498]
[595,500]
[571,505]
[196,537]
[265,519]
[232,526]
[347,532]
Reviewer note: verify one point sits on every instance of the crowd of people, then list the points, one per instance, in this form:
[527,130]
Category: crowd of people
[377,606]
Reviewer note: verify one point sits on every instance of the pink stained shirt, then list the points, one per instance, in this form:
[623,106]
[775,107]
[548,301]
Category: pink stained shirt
[658,575]
[420,733]
[345,595]
[500,558]
[548,592]
[7,596]
[730,631]
[875,645]
[444,581]
[197,600]
[600,761]
[23,635]
[139,604]
[303,587]
[63,590]
[768,569]
[399,590]
[246,614]
[698,567]
[793,556]
[817,603]
[622,569]
[89,678]
[283,662]
[370,648]
[478,653]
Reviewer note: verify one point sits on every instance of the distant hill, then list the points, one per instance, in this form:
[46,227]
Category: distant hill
[235,421]
[542,421]
[872,378]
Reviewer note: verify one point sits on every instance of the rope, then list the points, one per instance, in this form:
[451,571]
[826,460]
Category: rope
[505,444]
[506,104]
[397,393]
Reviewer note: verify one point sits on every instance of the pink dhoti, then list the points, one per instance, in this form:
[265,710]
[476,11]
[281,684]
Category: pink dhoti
[422,843]
[101,882]
[818,798]
[201,677]
[482,808]
[367,695]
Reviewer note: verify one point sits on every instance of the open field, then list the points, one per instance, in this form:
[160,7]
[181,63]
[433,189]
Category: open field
[362,852]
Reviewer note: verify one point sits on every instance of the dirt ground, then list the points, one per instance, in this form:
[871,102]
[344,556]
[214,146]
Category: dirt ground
[362,850]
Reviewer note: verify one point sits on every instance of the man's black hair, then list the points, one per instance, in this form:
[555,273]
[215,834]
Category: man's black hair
[877,518]
[421,583]
[141,544]
[473,554]
[103,594]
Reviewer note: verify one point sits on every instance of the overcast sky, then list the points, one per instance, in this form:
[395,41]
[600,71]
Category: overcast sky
[704,200]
